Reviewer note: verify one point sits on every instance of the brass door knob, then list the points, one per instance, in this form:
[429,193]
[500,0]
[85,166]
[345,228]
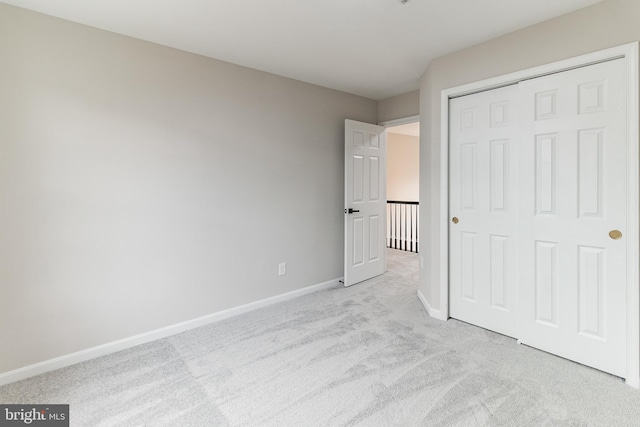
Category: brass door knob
[615,234]
[455,220]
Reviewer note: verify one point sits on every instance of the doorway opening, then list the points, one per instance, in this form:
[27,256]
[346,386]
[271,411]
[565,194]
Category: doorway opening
[374,222]
[403,184]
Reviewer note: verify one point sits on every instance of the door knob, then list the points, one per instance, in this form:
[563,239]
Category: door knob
[455,220]
[350,211]
[615,234]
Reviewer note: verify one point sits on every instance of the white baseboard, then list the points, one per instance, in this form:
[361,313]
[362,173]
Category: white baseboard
[123,344]
[436,314]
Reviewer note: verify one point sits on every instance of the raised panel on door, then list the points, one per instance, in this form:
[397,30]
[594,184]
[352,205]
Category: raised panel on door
[546,283]
[500,177]
[591,291]
[573,275]
[468,175]
[590,167]
[365,173]
[483,163]
[498,279]
[357,177]
[468,266]
[546,173]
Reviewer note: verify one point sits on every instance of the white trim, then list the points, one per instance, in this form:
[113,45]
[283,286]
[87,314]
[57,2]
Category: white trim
[630,52]
[436,314]
[444,206]
[401,121]
[123,344]
[633,222]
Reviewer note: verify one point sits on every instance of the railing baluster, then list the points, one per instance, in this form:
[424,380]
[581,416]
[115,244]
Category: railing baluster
[393,224]
[389,224]
[411,232]
[417,233]
[405,226]
[413,239]
[397,225]
[392,207]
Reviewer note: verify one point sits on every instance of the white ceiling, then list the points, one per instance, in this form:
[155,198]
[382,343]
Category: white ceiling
[373,48]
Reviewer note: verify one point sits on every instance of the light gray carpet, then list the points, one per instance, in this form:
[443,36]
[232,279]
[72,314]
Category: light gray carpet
[366,355]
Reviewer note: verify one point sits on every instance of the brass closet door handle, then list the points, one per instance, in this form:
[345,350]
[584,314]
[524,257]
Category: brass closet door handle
[455,220]
[615,234]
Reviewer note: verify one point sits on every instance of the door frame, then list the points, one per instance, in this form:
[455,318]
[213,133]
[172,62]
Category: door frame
[388,124]
[400,121]
[630,53]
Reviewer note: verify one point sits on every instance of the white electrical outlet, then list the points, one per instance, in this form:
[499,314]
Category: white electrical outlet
[282,269]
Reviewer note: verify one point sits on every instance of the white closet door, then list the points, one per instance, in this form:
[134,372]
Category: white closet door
[573,206]
[483,209]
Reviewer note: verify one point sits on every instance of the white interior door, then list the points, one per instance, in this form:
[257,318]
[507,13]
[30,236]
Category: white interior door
[483,209]
[573,195]
[365,201]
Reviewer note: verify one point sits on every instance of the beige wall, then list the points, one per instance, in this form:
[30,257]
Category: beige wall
[403,167]
[142,186]
[601,26]
[398,107]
